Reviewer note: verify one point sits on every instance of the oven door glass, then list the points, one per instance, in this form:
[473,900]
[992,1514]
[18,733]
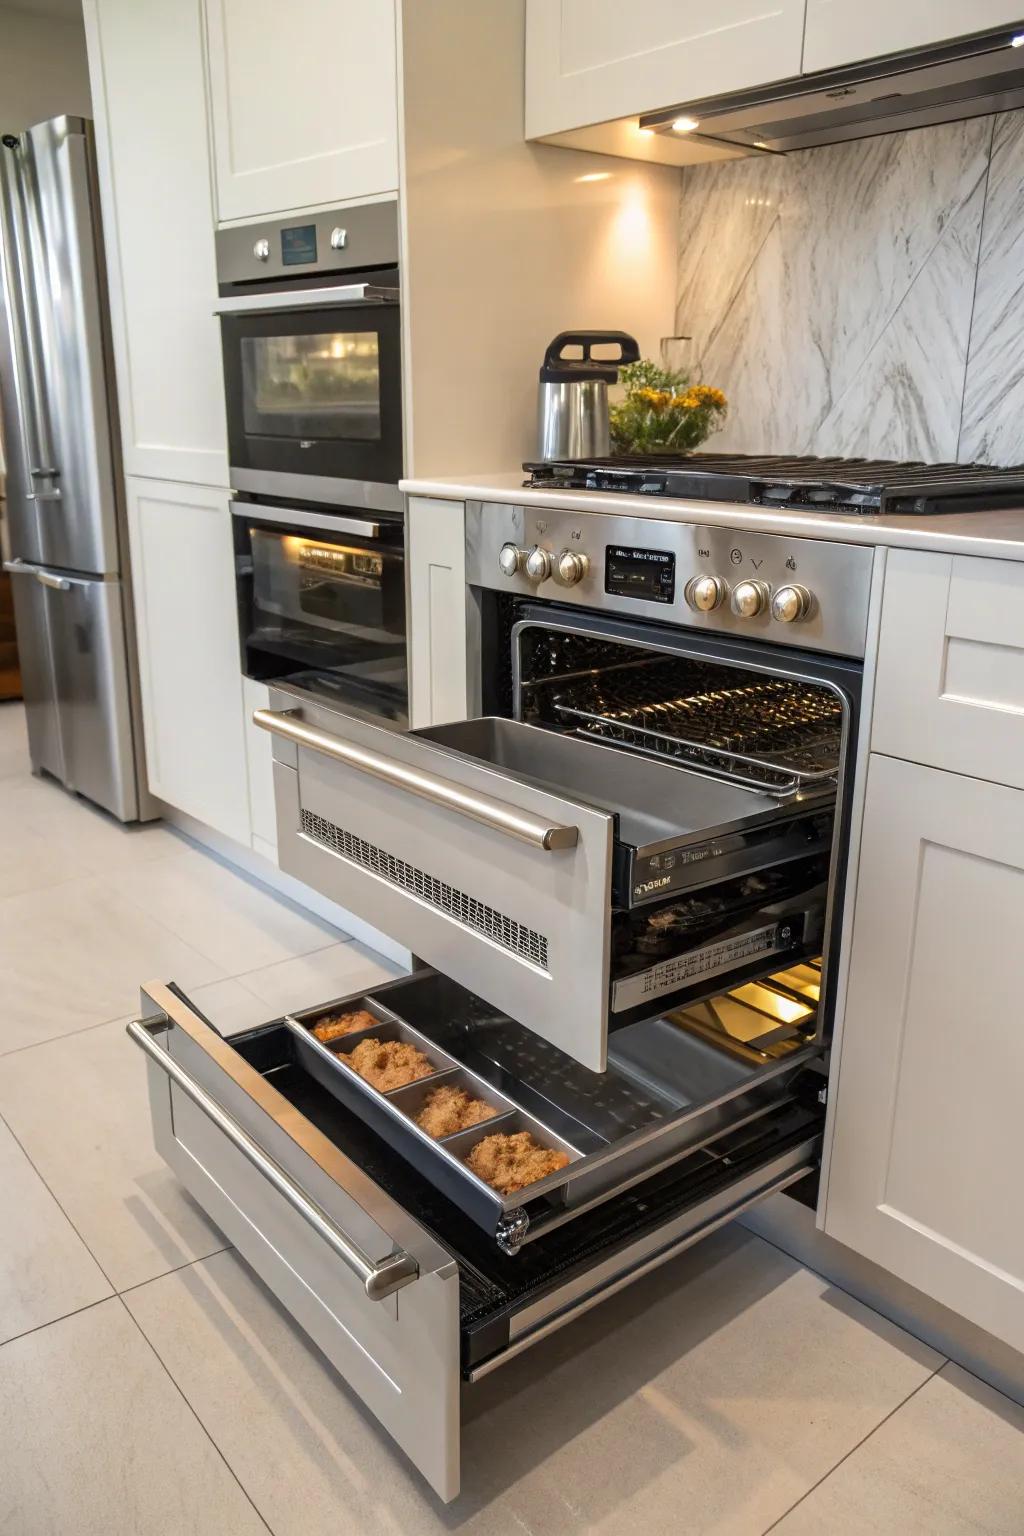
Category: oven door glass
[315,391]
[330,612]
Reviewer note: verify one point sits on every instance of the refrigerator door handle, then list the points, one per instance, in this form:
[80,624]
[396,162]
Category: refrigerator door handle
[57,583]
[25,344]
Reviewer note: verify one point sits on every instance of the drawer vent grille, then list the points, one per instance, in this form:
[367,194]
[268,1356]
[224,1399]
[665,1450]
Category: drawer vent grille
[515,937]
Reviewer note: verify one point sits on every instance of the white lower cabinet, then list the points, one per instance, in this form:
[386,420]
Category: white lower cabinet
[184,587]
[259,752]
[929,1135]
[439,619]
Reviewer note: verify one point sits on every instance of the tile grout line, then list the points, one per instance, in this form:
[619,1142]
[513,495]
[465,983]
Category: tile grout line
[200,1258]
[51,1321]
[854,1448]
[181,1393]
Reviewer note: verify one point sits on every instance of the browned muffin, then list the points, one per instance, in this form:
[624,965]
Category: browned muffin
[388,1064]
[509,1163]
[448,1109]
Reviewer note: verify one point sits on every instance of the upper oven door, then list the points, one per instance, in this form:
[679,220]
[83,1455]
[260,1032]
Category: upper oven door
[314,394]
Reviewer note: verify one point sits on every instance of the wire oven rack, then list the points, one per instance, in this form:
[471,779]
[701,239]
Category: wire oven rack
[771,733]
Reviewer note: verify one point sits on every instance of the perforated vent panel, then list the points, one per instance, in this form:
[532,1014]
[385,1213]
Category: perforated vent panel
[515,937]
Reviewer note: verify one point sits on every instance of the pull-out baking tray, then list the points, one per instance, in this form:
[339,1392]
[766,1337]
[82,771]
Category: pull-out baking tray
[670,1092]
[676,829]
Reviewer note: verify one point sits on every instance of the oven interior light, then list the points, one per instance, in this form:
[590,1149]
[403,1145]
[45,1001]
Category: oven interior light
[1017,40]
[685,125]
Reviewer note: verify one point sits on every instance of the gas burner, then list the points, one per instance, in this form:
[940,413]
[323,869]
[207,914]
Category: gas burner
[860,486]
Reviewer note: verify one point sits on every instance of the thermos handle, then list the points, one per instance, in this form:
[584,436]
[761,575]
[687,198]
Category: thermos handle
[629,350]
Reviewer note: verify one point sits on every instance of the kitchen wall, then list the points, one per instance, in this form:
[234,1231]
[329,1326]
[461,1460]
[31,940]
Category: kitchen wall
[864,298]
[43,69]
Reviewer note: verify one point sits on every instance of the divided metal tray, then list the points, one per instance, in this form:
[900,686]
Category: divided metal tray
[392,1115]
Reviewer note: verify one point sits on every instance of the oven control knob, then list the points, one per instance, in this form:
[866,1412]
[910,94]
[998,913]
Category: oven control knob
[511,559]
[749,598]
[791,604]
[571,567]
[538,564]
[261,250]
[705,593]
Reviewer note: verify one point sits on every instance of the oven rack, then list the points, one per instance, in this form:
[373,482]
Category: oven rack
[774,734]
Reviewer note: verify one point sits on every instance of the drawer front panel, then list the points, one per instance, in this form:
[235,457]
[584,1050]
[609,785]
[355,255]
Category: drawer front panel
[526,927]
[950,689]
[400,1354]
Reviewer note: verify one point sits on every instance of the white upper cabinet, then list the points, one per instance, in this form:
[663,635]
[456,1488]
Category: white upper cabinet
[146,72]
[929,1138]
[303,102]
[591,60]
[841,31]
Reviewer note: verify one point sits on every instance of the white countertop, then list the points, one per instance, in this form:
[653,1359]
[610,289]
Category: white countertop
[996,535]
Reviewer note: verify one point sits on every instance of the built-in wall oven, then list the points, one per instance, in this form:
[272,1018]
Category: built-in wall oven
[626,872]
[309,316]
[310,327]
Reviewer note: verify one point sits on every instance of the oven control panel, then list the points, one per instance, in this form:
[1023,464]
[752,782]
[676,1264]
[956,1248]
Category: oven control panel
[811,593]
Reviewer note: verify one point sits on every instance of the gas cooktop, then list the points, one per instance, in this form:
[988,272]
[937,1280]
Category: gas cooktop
[819,485]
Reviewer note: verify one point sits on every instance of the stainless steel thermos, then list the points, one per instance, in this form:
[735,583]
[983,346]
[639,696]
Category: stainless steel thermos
[572,405]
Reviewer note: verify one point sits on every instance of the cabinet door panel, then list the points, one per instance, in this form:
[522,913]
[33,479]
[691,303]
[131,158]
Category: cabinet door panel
[146,71]
[950,685]
[840,33]
[591,60]
[183,575]
[438,611]
[929,1139]
[303,102]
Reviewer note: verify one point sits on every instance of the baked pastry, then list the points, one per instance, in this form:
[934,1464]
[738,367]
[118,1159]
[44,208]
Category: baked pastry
[388,1064]
[510,1163]
[447,1109]
[333,1025]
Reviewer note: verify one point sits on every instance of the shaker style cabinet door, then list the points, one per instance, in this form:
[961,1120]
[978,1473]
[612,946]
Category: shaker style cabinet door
[841,32]
[303,102]
[147,78]
[184,586]
[950,682]
[929,1136]
[439,611]
[591,60]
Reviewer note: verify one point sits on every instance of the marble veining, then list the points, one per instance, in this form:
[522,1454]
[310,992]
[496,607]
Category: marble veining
[858,299]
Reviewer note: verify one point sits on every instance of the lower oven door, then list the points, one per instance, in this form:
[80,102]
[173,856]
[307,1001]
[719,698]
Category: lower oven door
[400,1293]
[493,850]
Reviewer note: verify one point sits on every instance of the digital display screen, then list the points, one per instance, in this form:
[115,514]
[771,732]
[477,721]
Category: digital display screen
[298,245]
[645,573]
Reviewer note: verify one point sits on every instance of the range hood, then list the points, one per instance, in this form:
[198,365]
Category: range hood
[966,78]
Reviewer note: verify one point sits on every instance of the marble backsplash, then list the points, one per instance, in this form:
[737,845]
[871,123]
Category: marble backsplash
[862,299]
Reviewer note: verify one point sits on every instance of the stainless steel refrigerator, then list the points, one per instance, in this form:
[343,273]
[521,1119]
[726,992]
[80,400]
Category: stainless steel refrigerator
[65,543]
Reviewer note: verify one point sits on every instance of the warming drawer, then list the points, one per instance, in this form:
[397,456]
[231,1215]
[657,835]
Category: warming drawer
[376,1262]
[576,886]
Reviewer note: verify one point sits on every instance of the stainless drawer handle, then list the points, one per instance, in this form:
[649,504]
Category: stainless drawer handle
[497,814]
[378,1279]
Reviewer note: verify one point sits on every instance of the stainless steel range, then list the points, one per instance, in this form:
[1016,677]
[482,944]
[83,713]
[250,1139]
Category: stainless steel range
[625,872]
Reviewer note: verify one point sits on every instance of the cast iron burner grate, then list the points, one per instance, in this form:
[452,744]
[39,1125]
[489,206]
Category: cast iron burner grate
[872,486]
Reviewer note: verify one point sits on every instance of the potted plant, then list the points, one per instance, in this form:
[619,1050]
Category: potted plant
[662,412]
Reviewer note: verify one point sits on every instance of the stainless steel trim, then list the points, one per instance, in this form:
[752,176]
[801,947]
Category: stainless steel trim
[299,517]
[592,1298]
[496,814]
[25,343]
[379,1279]
[375,495]
[307,298]
[54,495]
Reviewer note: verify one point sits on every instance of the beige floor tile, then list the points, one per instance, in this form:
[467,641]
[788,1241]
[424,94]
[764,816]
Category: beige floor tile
[950,1462]
[229,1007]
[240,925]
[318,978]
[46,1270]
[95,1440]
[76,954]
[705,1399]
[79,833]
[80,1108]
